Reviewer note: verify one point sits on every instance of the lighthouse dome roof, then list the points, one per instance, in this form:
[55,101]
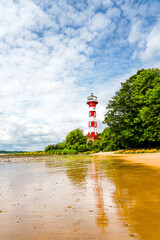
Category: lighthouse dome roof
[92,98]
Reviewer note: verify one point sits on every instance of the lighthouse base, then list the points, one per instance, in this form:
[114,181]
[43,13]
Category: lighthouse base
[92,139]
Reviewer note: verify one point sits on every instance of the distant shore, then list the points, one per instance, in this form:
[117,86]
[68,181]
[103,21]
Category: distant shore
[150,159]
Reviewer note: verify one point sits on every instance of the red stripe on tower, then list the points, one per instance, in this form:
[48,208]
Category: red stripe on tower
[92,124]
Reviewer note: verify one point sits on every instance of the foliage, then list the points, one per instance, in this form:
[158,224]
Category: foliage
[49,152]
[61,145]
[90,145]
[29,154]
[133,115]
[82,148]
[108,140]
[152,150]
[50,147]
[75,142]
[75,137]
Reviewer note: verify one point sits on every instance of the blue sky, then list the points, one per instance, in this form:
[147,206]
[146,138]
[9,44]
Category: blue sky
[53,54]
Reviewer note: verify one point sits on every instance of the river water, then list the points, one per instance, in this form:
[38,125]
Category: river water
[79,198]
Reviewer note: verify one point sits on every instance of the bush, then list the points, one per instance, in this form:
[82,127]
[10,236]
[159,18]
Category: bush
[70,151]
[90,145]
[75,146]
[74,137]
[61,145]
[51,152]
[88,152]
[96,150]
[82,148]
[49,147]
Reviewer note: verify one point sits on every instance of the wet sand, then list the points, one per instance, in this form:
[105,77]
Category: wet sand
[149,159]
[80,198]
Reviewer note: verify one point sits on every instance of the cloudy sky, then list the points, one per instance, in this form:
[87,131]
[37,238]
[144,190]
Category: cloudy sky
[54,53]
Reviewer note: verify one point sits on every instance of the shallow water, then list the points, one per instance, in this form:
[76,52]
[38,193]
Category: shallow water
[79,198]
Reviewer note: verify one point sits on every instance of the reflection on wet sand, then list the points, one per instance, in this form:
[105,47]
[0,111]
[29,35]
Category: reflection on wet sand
[77,170]
[79,198]
[137,196]
[101,217]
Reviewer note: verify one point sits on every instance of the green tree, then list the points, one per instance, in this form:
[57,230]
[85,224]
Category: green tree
[90,145]
[75,146]
[97,146]
[61,145]
[133,115]
[75,137]
[82,148]
[108,140]
[49,147]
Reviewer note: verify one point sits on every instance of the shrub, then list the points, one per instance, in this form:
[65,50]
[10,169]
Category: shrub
[82,148]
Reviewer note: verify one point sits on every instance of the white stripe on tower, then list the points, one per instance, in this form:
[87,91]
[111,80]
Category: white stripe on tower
[92,119]
[92,129]
[92,109]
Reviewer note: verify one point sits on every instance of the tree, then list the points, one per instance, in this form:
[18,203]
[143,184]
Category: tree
[82,148]
[49,147]
[75,137]
[90,145]
[97,145]
[61,145]
[106,142]
[133,115]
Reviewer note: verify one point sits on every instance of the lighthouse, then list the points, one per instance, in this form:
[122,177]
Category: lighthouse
[92,124]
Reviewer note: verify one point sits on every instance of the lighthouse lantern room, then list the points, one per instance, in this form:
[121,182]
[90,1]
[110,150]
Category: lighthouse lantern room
[92,124]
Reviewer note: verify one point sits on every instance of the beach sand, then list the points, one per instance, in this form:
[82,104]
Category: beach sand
[53,197]
[150,159]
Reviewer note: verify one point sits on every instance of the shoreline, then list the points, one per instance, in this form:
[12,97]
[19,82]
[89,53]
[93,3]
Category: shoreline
[149,159]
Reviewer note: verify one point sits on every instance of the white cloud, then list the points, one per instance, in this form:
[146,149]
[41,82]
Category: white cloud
[100,3]
[146,37]
[50,61]
[99,22]
[113,13]
[152,50]
[136,31]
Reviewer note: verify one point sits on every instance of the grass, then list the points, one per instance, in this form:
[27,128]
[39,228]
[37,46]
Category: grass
[143,150]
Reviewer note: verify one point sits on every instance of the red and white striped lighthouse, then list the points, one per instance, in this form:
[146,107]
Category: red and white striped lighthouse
[92,124]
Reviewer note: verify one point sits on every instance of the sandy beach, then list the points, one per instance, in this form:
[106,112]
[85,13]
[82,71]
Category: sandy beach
[94,197]
[150,159]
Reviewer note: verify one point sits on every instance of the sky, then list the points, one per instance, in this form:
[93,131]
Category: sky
[54,53]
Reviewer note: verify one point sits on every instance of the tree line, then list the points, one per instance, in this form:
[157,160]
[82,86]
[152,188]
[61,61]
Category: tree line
[75,142]
[132,118]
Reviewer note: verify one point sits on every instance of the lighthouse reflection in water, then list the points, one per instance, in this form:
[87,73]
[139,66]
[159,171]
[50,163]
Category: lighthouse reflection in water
[101,215]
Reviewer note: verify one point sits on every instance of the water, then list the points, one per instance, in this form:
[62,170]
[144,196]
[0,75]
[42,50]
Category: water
[79,198]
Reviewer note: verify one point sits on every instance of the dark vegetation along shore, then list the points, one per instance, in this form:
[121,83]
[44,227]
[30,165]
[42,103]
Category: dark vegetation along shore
[132,119]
